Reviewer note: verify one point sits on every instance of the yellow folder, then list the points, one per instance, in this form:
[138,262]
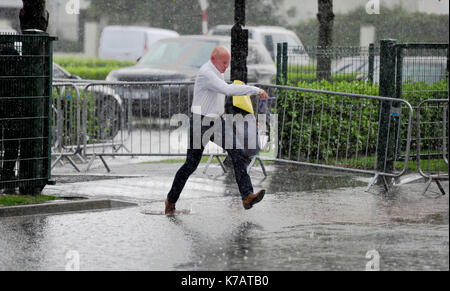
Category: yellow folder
[243,102]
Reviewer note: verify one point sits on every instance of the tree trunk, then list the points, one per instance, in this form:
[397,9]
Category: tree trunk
[33,15]
[326,21]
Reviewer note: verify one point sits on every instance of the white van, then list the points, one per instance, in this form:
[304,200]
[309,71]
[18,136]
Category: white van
[129,42]
[6,28]
[269,36]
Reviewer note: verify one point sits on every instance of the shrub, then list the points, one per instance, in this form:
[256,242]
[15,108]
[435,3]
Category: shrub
[312,125]
[91,68]
[88,73]
[91,62]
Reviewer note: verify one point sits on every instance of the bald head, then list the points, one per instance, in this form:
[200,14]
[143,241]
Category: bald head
[220,57]
[220,51]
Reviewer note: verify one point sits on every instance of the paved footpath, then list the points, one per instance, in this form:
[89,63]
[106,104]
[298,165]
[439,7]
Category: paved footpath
[309,220]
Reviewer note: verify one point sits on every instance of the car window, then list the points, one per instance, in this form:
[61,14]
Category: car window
[193,53]
[278,38]
[268,43]
[271,40]
[200,54]
[258,55]
[222,32]
[227,32]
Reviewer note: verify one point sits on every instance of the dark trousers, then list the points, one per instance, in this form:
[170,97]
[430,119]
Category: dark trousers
[194,156]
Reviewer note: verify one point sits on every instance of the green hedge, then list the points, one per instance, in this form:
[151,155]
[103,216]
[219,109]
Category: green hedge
[91,68]
[91,73]
[90,62]
[306,118]
[310,117]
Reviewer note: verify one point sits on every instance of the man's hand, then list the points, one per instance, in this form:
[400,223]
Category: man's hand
[263,95]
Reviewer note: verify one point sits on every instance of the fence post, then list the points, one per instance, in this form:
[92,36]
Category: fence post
[448,62]
[399,73]
[371,62]
[285,62]
[386,140]
[279,63]
[239,44]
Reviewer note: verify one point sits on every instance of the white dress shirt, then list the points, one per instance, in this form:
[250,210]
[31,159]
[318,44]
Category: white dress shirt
[210,90]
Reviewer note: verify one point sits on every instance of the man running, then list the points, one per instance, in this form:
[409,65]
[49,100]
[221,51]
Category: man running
[208,104]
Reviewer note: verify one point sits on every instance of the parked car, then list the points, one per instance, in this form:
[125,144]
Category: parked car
[415,69]
[178,60]
[269,36]
[59,73]
[129,42]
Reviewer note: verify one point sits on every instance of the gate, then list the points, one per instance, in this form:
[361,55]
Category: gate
[432,141]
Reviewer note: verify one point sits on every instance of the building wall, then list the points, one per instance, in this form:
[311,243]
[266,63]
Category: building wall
[307,9]
[63,22]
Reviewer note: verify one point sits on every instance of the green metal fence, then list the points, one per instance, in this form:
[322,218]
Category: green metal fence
[25,95]
[297,66]
[414,72]
[418,69]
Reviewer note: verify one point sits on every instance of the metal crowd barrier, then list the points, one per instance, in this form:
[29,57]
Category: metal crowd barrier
[341,131]
[432,141]
[137,119]
[331,130]
[66,123]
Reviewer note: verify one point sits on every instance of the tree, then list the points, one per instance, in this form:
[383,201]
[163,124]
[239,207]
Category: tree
[326,21]
[33,15]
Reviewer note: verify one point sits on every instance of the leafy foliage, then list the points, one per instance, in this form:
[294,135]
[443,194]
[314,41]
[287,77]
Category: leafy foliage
[91,68]
[338,130]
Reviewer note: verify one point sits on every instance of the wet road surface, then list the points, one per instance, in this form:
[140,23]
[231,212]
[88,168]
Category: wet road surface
[309,220]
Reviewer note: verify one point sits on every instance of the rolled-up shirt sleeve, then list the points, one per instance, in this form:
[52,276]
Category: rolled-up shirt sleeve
[220,86]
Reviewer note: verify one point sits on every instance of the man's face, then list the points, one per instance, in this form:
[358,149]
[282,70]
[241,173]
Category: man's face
[221,62]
